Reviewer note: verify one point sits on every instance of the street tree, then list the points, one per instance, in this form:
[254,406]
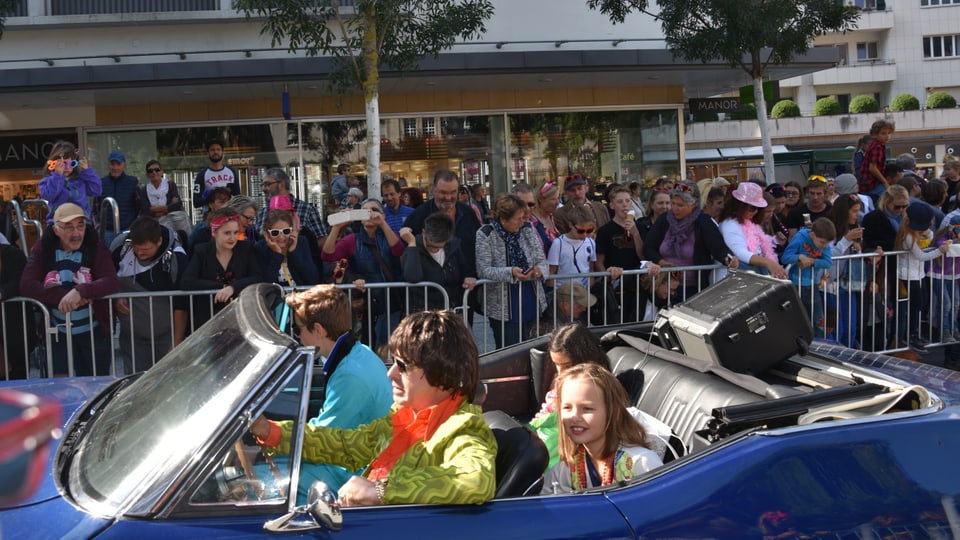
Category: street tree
[6,9]
[749,34]
[362,37]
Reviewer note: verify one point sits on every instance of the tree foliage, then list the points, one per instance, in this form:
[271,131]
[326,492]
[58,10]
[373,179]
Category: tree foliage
[749,34]
[863,104]
[941,100]
[827,106]
[785,108]
[366,36]
[405,31]
[6,10]
[905,102]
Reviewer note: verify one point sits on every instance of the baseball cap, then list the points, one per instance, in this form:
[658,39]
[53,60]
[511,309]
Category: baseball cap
[575,180]
[117,156]
[577,292]
[67,212]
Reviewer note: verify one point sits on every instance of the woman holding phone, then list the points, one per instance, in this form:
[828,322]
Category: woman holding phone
[509,251]
[284,259]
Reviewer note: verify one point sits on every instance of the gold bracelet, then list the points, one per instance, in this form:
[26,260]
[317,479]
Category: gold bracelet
[380,486]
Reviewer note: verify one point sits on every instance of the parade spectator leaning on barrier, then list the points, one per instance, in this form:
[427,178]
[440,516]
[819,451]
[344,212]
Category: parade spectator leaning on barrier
[70,179]
[224,264]
[744,238]
[845,216]
[16,345]
[149,258]
[435,255]
[357,390]
[284,256]
[373,254]
[445,189]
[434,446]
[686,236]
[70,271]
[508,251]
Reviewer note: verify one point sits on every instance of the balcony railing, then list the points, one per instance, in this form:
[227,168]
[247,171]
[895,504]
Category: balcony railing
[99,7]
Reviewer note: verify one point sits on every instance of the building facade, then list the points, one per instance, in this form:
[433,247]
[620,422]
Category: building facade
[550,89]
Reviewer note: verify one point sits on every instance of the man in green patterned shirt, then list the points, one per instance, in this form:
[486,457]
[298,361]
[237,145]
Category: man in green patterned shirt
[433,446]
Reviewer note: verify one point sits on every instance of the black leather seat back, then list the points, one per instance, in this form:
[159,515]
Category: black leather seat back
[522,457]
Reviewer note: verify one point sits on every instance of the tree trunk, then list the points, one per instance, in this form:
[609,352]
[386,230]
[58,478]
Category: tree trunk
[761,103]
[371,102]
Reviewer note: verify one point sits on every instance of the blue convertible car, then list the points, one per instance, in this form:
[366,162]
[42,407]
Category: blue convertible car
[827,443]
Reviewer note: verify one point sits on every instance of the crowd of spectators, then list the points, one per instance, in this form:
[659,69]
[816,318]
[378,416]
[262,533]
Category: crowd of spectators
[790,231]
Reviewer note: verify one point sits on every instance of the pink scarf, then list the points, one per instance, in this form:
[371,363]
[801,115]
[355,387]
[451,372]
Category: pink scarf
[757,238]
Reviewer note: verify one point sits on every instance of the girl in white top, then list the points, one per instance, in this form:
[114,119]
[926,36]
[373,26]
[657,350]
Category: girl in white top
[575,252]
[600,443]
[914,237]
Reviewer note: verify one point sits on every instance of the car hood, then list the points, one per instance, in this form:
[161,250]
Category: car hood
[71,394]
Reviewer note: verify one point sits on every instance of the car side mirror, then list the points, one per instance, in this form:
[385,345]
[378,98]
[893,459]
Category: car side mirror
[322,507]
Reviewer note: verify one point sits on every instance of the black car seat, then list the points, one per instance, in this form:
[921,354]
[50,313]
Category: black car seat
[521,456]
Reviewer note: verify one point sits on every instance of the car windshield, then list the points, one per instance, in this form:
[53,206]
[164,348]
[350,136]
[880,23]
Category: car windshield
[145,437]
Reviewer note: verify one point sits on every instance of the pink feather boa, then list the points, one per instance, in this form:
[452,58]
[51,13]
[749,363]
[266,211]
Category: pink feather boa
[757,238]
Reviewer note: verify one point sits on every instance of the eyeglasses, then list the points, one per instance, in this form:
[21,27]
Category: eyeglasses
[588,230]
[269,183]
[752,209]
[531,205]
[153,170]
[67,163]
[248,217]
[277,232]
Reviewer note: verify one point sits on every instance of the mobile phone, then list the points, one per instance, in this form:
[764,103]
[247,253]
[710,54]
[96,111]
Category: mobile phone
[528,270]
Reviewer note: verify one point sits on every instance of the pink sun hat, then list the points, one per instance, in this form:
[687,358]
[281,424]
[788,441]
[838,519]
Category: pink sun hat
[750,193]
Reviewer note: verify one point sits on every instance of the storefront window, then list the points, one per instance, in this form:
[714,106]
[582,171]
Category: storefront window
[609,146]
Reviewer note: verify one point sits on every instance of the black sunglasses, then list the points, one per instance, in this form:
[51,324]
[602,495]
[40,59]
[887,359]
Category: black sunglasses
[531,204]
[153,170]
[402,366]
[277,232]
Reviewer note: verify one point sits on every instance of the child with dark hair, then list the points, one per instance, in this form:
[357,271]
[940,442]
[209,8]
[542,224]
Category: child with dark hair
[810,256]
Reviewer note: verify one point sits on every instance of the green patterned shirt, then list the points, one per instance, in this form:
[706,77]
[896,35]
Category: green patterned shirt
[455,466]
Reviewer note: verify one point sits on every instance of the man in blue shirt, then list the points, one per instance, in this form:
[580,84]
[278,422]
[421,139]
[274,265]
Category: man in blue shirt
[394,212]
[122,188]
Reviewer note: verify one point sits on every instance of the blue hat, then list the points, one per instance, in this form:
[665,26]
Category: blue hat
[920,215]
[955,219]
[117,156]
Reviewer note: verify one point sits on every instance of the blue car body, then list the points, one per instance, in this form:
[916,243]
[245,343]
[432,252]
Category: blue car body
[891,474]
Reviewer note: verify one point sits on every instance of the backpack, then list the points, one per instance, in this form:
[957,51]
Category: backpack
[121,246]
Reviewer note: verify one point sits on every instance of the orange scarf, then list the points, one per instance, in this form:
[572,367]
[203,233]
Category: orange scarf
[409,428]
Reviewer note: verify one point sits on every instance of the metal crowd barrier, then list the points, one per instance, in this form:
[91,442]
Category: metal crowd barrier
[863,307]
